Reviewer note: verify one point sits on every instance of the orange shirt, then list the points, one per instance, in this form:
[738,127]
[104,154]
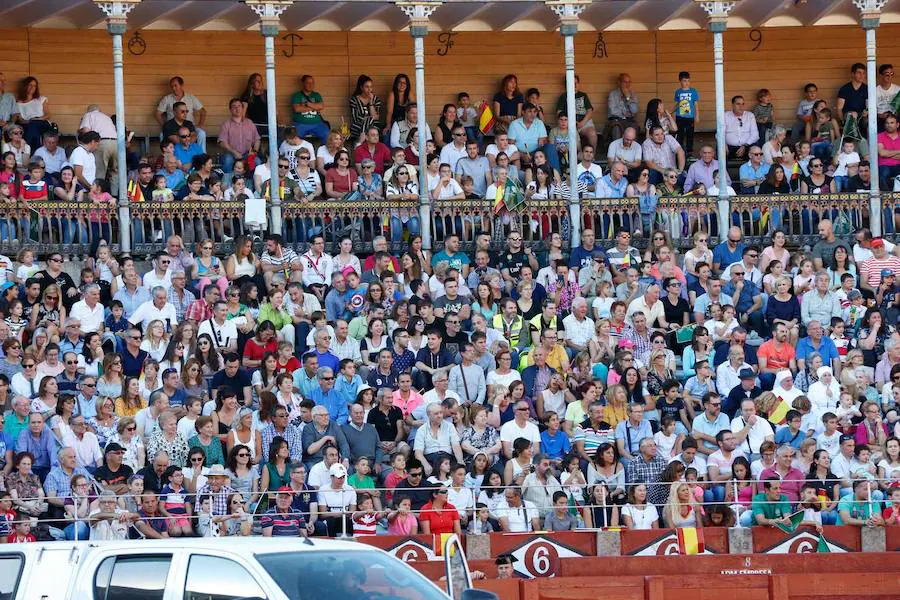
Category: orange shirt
[775,358]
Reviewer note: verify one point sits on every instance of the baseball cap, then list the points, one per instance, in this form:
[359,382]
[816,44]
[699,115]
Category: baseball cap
[877,243]
[599,255]
[337,470]
[113,447]
[7,285]
[285,489]
[887,273]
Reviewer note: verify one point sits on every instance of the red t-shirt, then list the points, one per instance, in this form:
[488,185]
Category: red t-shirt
[290,366]
[254,351]
[887,513]
[441,522]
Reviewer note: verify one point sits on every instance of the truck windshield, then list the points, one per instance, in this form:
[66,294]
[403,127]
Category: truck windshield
[346,575]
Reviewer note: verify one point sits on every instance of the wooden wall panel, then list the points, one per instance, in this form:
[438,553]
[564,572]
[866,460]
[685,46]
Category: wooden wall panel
[75,67]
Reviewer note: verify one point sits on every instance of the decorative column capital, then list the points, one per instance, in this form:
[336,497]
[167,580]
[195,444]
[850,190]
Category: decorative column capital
[269,12]
[870,12]
[419,14]
[116,12]
[568,12]
[718,13]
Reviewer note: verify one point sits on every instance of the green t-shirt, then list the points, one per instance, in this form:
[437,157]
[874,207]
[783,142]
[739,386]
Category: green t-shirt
[582,104]
[858,509]
[309,118]
[361,483]
[770,510]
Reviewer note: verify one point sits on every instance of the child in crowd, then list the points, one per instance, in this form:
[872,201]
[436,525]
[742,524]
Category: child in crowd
[764,112]
[397,474]
[161,191]
[116,323]
[847,410]
[401,520]
[560,519]
[15,321]
[554,442]
[206,525]
[853,315]
[672,404]
[668,443]
[468,116]
[365,518]
[7,516]
[175,504]
[468,186]
[687,111]
[361,480]
[891,514]
[21,530]
[27,266]
[573,478]
[838,336]
[793,433]
[846,164]
[811,507]
[481,524]
[533,96]
[7,202]
[862,466]
[804,154]
[826,133]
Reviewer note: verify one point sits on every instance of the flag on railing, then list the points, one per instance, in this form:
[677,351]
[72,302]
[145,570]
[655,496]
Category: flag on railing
[439,540]
[690,540]
[822,546]
[779,414]
[795,518]
[485,118]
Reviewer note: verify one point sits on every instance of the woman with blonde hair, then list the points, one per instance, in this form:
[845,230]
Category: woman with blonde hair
[127,437]
[616,405]
[156,340]
[682,509]
[700,253]
[602,346]
[50,312]
[208,269]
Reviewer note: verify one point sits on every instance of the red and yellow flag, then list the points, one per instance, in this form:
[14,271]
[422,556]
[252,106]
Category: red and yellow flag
[779,413]
[485,118]
[690,540]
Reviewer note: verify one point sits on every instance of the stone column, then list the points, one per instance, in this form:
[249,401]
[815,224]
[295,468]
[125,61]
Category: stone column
[116,24]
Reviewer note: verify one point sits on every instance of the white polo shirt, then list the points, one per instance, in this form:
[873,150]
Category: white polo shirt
[148,312]
[520,517]
[91,318]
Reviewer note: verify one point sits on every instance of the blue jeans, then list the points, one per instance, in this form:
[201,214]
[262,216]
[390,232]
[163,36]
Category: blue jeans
[397,228]
[474,135]
[84,532]
[228,162]
[137,231]
[841,182]
[714,493]
[822,150]
[320,130]
[552,155]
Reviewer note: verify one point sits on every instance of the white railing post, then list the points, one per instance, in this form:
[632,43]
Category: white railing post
[419,14]
[269,12]
[116,24]
[870,18]
[718,22]
[568,12]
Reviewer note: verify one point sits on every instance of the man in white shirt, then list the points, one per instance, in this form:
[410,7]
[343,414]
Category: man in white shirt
[740,129]
[106,153]
[53,155]
[750,431]
[452,152]
[317,268]
[841,465]
[588,173]
[223,332]
[83,160]
[579,328]
[161,275]
[517,515]
[626,150]
[520,427]
[157,308]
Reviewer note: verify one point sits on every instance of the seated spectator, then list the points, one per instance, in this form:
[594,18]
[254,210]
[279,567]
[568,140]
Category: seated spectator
[662,152]
[740,130]
[770,507]
[180,107]
[238,136]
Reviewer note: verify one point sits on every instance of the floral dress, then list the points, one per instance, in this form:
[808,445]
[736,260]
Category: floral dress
[177,449]
[482,441]
[104,434]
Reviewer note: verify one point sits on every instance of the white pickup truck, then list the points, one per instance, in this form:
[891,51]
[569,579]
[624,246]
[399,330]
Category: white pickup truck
[222,569]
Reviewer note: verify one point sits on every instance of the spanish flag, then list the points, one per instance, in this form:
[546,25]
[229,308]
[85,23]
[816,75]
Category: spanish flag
[779,413]
[439,540]
[485,118]
[690,541]
[822,494]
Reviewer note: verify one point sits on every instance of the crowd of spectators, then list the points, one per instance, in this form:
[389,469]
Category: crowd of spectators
[287,393]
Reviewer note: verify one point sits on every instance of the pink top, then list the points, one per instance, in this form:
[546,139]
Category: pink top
[888,143]
[403,525]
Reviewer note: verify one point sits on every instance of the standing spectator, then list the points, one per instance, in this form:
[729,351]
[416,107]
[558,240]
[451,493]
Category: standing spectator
[106,153]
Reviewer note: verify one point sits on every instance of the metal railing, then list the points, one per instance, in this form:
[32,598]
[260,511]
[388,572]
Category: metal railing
[153,222]
[798,215]
[74,227]
[362,220]
[59,226]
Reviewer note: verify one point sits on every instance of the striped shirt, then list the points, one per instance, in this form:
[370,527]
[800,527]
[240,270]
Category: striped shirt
[286,523]
[870,270]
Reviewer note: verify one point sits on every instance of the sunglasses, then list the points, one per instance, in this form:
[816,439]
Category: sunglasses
[243,454]
[197,459]
[131,428]
[303,158]
[414,474]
